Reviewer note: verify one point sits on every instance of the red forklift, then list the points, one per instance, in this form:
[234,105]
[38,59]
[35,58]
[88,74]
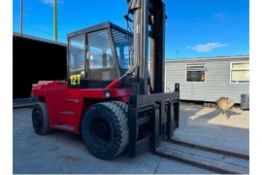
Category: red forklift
[113,101]
[110,97]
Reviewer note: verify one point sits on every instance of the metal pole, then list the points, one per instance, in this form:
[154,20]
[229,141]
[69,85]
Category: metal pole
[21,17]
[55,21]
[157,62]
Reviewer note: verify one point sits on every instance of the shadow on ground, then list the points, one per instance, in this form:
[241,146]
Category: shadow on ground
[207,126]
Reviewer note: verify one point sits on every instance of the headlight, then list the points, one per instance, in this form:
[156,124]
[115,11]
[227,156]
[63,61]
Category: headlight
[107,94]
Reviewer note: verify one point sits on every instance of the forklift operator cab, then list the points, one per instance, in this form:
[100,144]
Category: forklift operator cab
[98,55]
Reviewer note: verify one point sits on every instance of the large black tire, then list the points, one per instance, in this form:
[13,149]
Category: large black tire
[104,130]
[40,119]
[122,105]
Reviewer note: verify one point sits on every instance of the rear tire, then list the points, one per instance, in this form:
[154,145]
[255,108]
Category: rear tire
[104,130]
[40,119]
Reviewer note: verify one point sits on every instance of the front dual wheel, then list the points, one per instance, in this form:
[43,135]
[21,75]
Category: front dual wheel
[104,129]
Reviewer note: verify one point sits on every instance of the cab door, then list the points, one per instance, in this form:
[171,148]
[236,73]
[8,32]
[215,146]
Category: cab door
[101,59]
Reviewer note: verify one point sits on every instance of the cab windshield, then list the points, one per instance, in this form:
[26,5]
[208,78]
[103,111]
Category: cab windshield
[123,43]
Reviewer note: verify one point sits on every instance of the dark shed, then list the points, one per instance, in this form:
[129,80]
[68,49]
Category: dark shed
[36,59]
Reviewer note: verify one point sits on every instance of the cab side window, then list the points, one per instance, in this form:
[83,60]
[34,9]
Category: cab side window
[99,51]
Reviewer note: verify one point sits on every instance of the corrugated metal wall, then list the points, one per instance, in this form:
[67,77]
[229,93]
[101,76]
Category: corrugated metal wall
[217,82]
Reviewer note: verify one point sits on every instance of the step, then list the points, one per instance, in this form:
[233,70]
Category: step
[70,113]
[72,100]
[65,127]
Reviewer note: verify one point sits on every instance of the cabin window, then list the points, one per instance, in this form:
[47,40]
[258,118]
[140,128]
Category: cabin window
[99,50]
[196,72]
[123,43]
[240,72]
[77,52]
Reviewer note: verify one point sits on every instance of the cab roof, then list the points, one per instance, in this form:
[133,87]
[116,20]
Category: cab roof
[97,27]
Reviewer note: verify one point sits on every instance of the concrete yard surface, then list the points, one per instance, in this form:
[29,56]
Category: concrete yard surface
[62,152]
[206,126]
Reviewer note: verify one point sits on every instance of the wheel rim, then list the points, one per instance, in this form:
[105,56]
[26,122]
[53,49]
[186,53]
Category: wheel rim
[37,119]
[100,130]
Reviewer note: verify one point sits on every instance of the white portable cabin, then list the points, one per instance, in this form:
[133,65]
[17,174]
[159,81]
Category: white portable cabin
[207,79]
